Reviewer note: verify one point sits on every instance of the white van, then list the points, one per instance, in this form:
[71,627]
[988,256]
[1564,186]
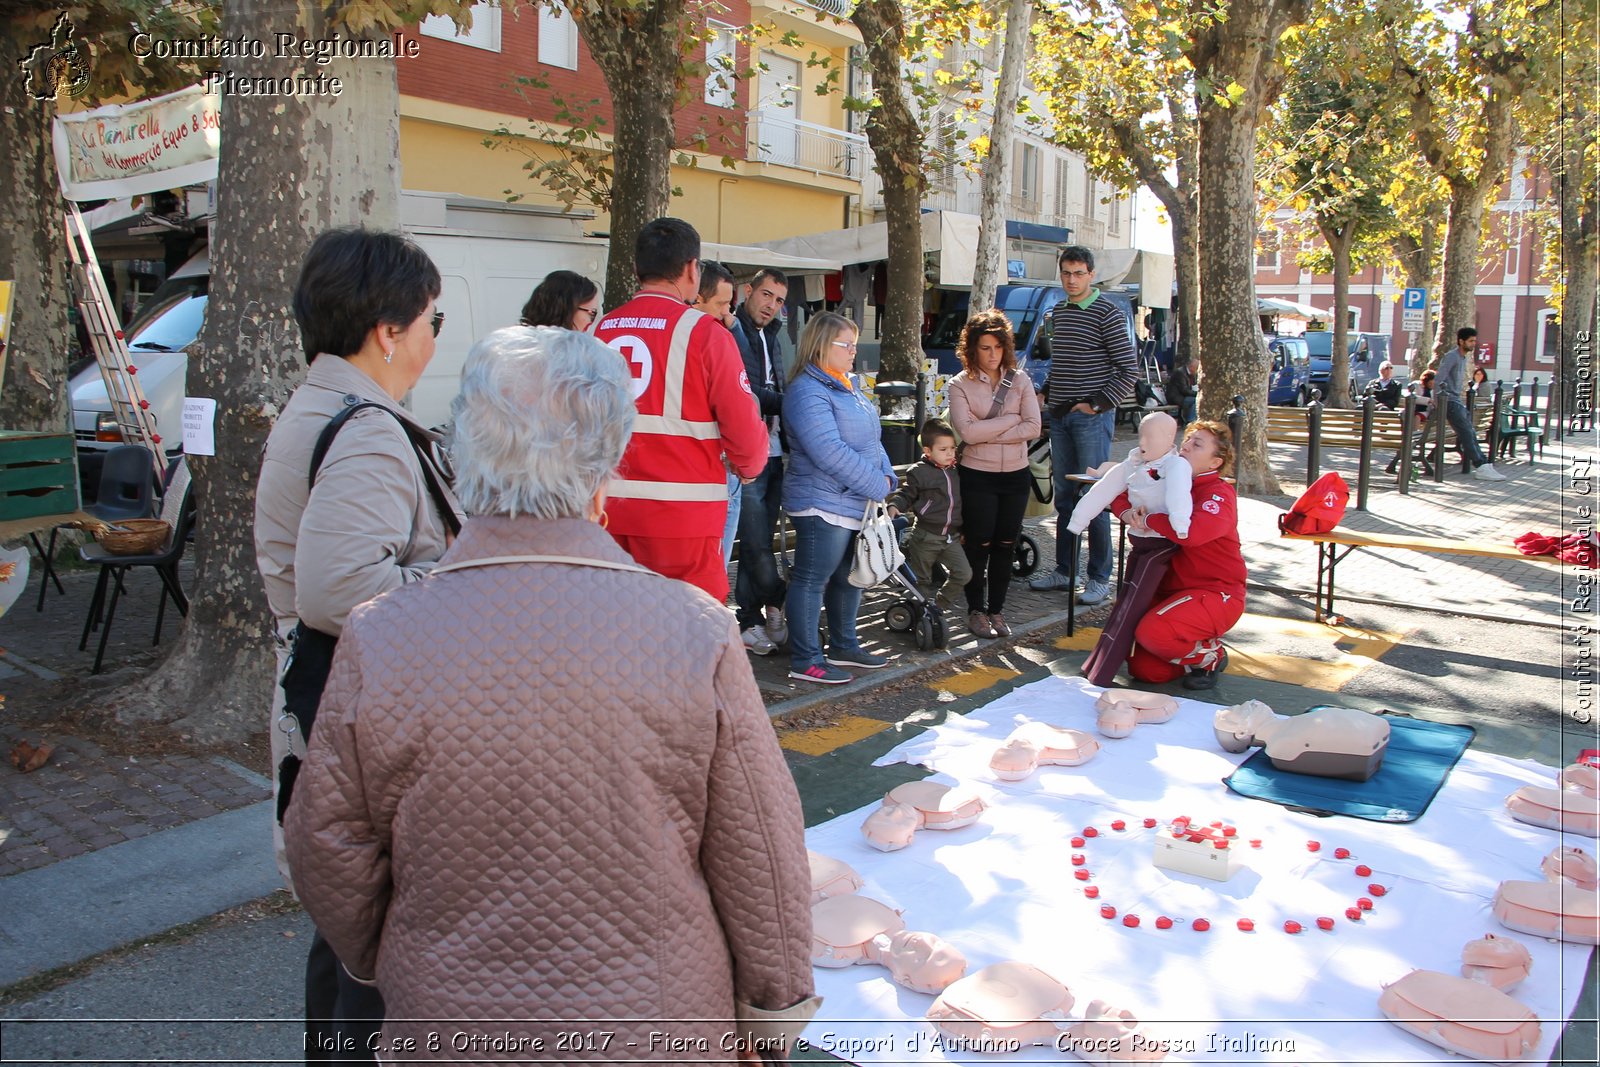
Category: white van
[490,256]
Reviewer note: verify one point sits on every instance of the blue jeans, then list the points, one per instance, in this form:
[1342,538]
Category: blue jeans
[1078,442]
[731,527]
[758,584]
[1466,434]
[823,554]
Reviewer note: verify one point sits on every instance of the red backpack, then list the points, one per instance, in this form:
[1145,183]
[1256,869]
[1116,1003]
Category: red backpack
[1319,508]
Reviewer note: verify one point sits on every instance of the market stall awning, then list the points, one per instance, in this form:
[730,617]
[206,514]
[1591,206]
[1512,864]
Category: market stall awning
[747,259]
[1289,309]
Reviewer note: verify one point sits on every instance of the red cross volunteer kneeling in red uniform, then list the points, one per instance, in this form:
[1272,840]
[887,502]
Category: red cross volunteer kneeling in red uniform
[1202,595]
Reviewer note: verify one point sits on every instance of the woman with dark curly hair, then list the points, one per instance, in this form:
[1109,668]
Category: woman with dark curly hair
[565,299]
[995,410]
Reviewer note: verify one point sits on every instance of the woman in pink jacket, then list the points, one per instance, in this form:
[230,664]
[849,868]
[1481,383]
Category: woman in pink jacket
[995,410]
[544,808]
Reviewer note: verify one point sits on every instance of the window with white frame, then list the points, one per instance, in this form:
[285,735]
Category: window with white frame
[1267,250]
[558,38]
[1063,192]
[1114,217]
[721,57]
[1352,316]
[484,33]
[1513,246]
[1027,180]
[1547,340]
[1091,195]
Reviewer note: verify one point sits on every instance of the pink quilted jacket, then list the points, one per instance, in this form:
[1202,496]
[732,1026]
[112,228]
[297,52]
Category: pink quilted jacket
[551,793]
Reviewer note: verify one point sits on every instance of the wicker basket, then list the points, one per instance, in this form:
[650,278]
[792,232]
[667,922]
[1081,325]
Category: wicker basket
[133,537]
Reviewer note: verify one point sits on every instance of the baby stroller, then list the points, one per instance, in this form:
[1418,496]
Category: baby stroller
[1041,496]
[912,612]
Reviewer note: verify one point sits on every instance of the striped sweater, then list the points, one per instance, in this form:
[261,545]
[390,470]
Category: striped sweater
[1091,355]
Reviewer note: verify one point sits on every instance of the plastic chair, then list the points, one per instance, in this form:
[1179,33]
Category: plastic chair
[127,491]
[177,509]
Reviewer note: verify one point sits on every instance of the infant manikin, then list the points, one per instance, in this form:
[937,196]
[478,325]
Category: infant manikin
[1154,475]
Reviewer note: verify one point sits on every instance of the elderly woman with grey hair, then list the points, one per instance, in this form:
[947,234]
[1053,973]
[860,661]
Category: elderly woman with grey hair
[543,786]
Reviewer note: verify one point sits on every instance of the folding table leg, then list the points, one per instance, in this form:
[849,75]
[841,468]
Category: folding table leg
[96,603]
[47,565]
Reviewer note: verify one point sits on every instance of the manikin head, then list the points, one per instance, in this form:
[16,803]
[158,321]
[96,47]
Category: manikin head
[1158,432]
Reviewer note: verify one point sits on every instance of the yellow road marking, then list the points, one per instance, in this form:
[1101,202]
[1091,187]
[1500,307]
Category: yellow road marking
[974,680]
[824,739]
[1349,650]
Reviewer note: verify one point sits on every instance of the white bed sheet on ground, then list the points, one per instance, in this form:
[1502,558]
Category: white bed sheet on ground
[1004,889]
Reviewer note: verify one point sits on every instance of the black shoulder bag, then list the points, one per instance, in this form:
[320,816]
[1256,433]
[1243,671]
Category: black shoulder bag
[311,650]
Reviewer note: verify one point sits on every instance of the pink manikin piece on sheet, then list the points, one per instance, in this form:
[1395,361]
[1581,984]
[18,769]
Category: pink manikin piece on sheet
[1549,909]
[1123,709]
[841,927]
[831,877]
[1036,743]
[1573,865]
[1497,961]
[1462,1016]
[849,930]
[914,806]
[1572,810]
[1111,1035]
[1582,778]
[923,962]
[1001,1004]
[1328,742]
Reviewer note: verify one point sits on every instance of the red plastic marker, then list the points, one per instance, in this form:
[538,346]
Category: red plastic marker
[1201,925]
[1313,846]
[1149,824]
[1246,925]
[1363,871]
[1091,891]
[1077,859]
[1364,903]
[1119,825]
[1324,923]
[1377,890]
[1081,874]
[1341,853]
[1163,923]
[1089,831]
[1130,920]
[1291,927]
[1107,911]
[1077,842]
[1353,914]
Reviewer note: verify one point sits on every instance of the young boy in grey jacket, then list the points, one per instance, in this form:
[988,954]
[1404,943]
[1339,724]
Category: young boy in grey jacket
[931,494]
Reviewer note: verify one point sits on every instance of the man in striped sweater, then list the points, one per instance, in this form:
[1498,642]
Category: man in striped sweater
[1092,370]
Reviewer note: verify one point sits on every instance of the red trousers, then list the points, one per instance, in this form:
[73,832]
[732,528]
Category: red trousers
[696,560]
[1183,630]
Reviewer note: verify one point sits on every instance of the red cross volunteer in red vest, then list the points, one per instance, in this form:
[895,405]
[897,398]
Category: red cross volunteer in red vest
[668,502]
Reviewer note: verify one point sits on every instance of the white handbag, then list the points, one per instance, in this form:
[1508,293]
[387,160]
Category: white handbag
[877,548]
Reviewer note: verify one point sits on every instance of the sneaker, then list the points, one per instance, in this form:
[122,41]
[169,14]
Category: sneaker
[999,626]
[755,640]
[1095,592]
[856,657]
[1050,580]
[1488,473]
[822,675]
[980,625]
[777,626]
[1202,678]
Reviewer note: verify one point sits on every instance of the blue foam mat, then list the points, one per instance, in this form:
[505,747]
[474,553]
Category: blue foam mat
[1419,758]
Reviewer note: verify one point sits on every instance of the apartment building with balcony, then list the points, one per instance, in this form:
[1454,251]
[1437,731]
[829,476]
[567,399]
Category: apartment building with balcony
[1053,199]
[1517,330]
[792,162]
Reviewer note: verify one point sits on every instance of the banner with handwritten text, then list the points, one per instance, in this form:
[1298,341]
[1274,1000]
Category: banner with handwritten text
[127,149]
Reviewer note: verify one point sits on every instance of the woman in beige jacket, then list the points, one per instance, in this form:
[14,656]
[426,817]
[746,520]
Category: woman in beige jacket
[995,410]
[376,516]
[544,803]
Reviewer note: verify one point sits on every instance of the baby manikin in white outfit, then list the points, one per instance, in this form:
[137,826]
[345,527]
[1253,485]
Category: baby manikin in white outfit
[1154,475]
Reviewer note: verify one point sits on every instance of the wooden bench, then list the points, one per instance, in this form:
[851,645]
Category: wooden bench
[1334,545]
[1340,428]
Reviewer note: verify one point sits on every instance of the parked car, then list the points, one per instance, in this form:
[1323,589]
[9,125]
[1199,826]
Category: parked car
[1029,308]
[158,338]
[1290,377]
[1367,350]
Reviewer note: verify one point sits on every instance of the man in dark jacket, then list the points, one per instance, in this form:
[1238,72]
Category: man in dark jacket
[1386,389]
[758,590]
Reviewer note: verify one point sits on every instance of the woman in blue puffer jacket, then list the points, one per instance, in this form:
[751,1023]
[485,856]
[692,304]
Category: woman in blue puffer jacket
[836,465]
